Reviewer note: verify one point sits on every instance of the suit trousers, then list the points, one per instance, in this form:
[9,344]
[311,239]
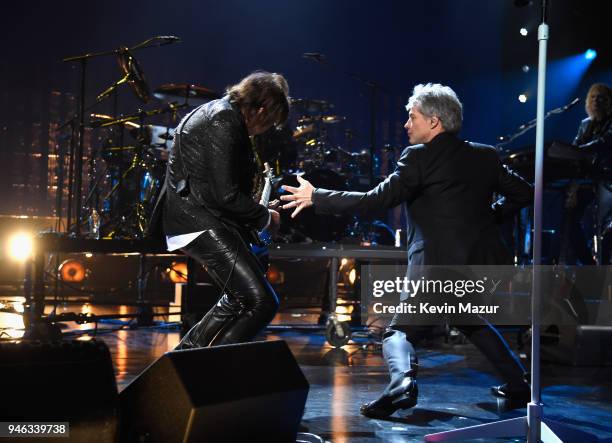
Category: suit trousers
[400,355]
[248,302]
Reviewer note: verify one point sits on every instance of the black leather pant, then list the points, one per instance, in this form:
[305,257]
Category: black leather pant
[248,302]
[400,355]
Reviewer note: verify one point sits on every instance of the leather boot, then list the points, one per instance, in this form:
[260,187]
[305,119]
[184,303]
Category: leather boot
[490,342]
[402,391]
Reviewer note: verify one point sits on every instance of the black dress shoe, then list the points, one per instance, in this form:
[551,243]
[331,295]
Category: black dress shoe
[519,394]
[400,394]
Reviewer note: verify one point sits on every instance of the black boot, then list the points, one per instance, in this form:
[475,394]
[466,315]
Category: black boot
[490,342]
[516,394]
[402,391]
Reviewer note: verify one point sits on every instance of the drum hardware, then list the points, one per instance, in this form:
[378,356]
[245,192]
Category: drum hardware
[141,114]
[373,89]
[96,118]
[134,76]
[141,181]
[310,106]
[191,95]
[311,135]
[332,119]
[310,227]
[327,119]
[370,233]
[125,208]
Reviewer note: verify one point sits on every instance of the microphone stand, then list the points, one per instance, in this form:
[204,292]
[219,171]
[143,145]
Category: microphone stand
[532,426]
[505,139]
[76,155]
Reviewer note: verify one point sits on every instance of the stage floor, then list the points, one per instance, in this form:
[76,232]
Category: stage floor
[454,381]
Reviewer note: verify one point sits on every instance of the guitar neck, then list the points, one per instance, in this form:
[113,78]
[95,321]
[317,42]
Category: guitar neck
[267,190]
[265,194]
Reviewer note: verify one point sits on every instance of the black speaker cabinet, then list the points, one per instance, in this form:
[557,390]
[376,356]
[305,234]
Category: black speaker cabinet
[63,381]
[243,392]
[582,345]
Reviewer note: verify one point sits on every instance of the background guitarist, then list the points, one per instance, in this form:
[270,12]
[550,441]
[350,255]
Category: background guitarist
[209,207]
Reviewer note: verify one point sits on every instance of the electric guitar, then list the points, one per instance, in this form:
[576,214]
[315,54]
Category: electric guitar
[260,240]
[265,238]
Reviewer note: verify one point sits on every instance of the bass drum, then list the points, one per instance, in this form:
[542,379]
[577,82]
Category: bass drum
[307,226]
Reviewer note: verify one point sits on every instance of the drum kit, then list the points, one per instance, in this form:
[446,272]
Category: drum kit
[125,177]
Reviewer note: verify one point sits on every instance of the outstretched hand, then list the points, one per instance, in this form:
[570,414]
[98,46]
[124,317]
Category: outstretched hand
[300,197]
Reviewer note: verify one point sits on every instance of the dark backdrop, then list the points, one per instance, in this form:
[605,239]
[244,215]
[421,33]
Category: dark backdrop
[472,45]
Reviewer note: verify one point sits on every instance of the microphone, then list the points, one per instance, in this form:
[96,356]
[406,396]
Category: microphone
[316,56]
[167,39]
[572,103]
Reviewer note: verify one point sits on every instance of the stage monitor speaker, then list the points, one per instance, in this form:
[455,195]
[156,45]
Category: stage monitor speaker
[63,381]
[582,345]
[243,392]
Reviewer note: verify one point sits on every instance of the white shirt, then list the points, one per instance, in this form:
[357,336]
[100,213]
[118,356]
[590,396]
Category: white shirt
[175,242]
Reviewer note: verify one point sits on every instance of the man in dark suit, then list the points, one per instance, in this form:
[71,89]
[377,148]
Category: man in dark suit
[447,186]
[209,204]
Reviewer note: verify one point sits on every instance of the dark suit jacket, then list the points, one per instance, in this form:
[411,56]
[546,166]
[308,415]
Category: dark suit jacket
[447,187]
[215,157]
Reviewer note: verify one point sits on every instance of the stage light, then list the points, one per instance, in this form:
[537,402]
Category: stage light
[274,275]
[348,309]
[590,54]
[525,69]
[352,276]
[524,32]
[72,271]
[177,272]
[522,98]
[20,246]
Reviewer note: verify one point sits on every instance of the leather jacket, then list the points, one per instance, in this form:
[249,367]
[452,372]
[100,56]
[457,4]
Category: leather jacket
[210,172]
[597,141]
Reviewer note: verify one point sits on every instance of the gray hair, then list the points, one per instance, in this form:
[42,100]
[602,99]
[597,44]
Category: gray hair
[434,99]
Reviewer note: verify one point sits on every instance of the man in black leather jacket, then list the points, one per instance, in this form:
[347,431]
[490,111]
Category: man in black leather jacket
[209,204]
[447,186]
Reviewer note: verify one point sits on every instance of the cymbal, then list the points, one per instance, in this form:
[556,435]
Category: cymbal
[134,74]
[330,119]
[303,130]
[327,119]
[194,94]
[306,105]
[103,121]
[98,119]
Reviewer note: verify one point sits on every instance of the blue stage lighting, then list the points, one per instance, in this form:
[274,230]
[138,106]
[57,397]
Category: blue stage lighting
[590,54]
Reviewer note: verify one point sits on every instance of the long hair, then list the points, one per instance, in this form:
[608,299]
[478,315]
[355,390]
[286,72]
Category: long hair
[262,89]
[605,90]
